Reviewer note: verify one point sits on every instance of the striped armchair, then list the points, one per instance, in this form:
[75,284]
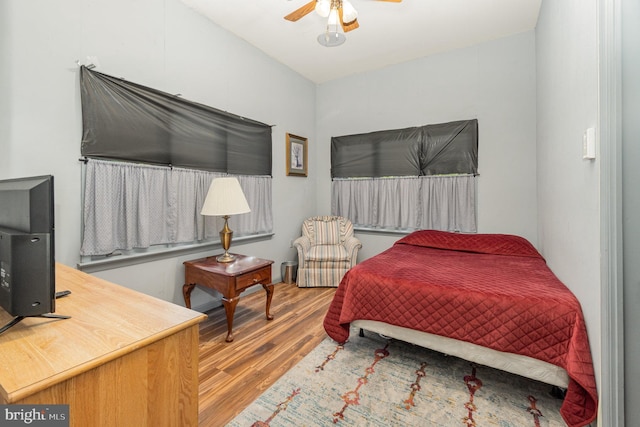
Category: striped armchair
[326,250]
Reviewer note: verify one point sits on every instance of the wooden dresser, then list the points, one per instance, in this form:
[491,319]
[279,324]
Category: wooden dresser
[122,359]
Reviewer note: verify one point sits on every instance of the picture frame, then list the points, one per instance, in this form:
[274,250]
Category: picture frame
[297,157]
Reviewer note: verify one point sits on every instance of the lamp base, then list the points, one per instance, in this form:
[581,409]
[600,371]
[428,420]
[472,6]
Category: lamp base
[225,239]
[225,257]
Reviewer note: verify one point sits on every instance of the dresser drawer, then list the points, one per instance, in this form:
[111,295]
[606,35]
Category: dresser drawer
[259,276]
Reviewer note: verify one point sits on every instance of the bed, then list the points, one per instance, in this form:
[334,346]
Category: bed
[487,298]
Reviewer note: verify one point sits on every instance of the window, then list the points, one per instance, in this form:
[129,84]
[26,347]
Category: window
[151,158]
[407,179]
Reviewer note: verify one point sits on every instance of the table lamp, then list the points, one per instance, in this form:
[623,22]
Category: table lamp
[225,198]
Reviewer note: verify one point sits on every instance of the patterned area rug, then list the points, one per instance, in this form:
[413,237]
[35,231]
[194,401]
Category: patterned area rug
[372,381]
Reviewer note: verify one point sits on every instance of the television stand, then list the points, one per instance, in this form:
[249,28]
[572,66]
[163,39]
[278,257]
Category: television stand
[18,319]
[61,294]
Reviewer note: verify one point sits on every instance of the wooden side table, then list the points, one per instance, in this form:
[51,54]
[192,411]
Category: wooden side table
[230,279]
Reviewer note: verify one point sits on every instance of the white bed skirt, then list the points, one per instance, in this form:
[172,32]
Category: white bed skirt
[520,365]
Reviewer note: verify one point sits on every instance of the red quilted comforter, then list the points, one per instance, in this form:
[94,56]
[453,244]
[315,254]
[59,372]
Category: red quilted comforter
[489,289]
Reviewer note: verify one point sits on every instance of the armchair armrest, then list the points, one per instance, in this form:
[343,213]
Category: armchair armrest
[352,245]
[302,245]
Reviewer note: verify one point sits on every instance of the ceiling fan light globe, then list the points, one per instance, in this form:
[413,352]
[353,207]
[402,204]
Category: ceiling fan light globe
[349,13]
[323,7]
[334,20]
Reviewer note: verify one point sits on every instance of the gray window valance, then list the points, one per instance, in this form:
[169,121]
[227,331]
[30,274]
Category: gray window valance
[126,121]
[438,149]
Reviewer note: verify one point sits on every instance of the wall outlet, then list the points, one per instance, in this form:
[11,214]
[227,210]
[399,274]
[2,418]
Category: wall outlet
[291,243]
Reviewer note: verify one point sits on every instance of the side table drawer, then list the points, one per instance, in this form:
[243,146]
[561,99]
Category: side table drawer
[259,276]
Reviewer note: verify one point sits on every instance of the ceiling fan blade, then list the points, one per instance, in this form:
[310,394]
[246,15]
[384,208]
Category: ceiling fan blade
[347,26]
[302,11]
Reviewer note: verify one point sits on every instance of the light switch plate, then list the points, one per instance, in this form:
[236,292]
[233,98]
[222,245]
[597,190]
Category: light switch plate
[589,144]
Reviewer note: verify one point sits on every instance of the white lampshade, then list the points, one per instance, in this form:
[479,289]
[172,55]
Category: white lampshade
[225,197]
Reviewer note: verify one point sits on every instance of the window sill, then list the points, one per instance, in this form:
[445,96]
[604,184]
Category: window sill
[360,229]
[123,260]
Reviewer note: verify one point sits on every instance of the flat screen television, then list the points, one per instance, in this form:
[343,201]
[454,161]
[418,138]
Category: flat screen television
[27,246]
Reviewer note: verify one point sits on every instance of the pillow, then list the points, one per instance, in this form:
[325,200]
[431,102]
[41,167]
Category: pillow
[495,244]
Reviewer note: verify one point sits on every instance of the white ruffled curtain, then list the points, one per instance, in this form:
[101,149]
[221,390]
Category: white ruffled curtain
[442,202]
[132,206]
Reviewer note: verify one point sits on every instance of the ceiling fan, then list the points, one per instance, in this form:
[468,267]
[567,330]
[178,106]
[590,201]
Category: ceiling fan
[342,18]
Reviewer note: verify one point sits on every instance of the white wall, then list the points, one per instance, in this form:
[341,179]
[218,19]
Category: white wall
[568,186]
[631,206]
[161,44]
[493,82]
[5,89]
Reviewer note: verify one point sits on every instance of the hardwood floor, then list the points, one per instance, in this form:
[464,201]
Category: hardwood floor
[232,375]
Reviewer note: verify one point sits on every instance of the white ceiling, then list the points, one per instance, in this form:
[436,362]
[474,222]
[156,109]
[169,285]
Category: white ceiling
[389,32]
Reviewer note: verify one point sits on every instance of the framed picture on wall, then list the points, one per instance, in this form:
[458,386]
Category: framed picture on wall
[296,155]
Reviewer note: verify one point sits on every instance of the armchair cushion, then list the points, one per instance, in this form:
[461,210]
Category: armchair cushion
[327,253]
